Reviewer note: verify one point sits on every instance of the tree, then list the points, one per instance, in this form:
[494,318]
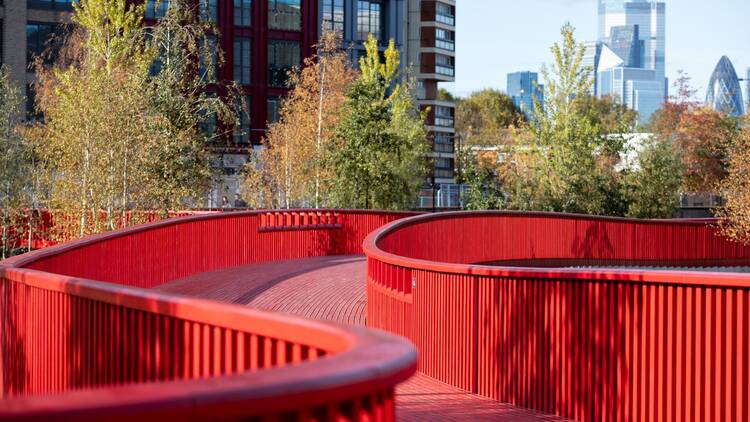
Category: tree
[566,159]
[116,138]
[609,115]
[734,216]
[652,188]
[291,169]
[484,117]
[378,152]
[701,135]
[479,175]
[94,129]
[15,166]
[177,161]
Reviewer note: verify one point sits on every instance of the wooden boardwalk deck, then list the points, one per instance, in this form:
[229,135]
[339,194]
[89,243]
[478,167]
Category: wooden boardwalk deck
[333,289]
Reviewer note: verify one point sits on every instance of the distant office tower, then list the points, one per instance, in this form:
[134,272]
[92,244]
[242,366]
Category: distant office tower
[630,54]
[624,42]
[724,91]
[523,87]
[649,18]
[747,90]
[591,60]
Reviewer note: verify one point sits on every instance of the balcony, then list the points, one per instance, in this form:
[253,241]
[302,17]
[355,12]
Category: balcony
[442,13]
[437,66]
[440,39]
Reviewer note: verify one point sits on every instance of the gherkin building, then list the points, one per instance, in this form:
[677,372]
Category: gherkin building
[724,91]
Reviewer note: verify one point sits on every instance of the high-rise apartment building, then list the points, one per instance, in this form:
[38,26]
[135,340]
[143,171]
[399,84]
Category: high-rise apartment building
[632,36]
[523,88]
[431,56]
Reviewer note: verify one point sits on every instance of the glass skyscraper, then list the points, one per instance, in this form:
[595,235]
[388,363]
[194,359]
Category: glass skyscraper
[724,91]
[523,87]
[630,63]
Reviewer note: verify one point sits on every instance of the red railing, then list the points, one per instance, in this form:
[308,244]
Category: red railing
[41,228]
[586,344]
[117,351]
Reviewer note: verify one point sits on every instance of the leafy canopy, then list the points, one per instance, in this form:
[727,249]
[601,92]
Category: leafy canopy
[378,152]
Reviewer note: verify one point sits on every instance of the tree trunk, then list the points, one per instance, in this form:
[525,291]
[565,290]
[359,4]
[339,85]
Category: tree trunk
[320,129]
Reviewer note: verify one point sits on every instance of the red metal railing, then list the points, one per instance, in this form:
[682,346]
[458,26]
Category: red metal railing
[590,345]
[117,351]
[41,228]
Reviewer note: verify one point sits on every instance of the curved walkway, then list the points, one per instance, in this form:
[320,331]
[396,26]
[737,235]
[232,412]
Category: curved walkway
[332,288]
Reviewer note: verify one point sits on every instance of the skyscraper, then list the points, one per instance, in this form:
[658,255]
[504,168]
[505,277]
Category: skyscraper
[523,87]
[649,17]
[631,61]
[724,92]
[747,90]
[591,60]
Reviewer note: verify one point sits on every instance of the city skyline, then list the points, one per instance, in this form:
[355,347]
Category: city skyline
[483,62]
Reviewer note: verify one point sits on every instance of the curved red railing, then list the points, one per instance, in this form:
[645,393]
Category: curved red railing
[81,339]
[586,344]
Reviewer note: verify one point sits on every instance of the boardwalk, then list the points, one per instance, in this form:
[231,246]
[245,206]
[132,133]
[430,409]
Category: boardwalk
[333,289]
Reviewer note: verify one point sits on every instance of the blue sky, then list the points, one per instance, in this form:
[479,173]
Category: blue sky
[495,37]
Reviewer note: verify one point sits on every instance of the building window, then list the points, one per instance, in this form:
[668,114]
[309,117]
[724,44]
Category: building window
[443,116]
[285,14]
[443,168]
[443,142]
[273,108]
[282,57]
[38,36]
[370,15]
[445,39]
[51,4]
[242,60]
[243,12]
[156,9]
[444,14]
[444,65]
[242,132]
[333,15]
[209,10]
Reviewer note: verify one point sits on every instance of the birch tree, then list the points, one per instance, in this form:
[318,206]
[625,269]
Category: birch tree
[15,167]
[291,169]
[123,107]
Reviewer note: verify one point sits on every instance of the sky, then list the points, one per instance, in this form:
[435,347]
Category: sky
[497,37]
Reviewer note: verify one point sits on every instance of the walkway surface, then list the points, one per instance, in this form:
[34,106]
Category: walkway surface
[333,289]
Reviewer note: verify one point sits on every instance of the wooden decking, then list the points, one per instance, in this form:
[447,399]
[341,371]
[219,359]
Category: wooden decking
[333,289]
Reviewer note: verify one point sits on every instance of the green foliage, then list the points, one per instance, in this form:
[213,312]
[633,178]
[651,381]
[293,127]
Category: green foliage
[484,192]
[178,164]
[566,159]
[445,95]
[484,117]
[652,188]
[114,31]
[378,154]
[115,137]
[15,164]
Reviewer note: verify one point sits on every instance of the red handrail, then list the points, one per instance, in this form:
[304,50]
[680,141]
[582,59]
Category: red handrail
[586,344]
[116,351]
